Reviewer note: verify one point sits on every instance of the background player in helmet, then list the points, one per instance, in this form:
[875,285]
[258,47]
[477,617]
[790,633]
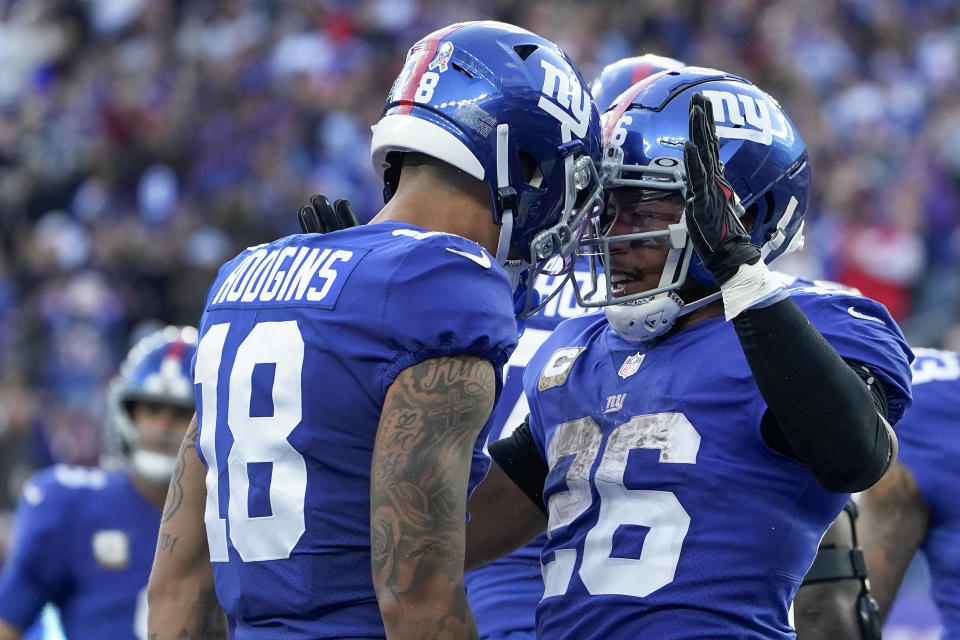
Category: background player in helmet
[344,379]
[504,594]
[617,77]
[689,465]
[85,537]
[912,508]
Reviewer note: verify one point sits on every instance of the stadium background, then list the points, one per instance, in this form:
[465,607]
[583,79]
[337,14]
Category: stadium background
[144,142]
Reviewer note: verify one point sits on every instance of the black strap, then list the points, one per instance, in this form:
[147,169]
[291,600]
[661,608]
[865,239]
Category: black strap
[833,564]
[836,564]
[854,512]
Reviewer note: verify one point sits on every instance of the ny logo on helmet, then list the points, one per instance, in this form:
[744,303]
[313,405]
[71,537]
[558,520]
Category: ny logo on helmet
[566,90]
[739,110]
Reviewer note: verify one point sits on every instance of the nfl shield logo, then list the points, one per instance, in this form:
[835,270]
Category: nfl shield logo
[631,365]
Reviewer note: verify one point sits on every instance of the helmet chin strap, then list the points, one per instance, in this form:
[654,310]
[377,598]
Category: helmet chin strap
[503,181]
[649,318]
[153,466]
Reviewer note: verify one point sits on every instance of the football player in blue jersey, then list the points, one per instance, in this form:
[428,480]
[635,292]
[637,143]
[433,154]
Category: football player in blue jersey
[912,508]
[85,538]
[344,379]
[504,594]
[687,450]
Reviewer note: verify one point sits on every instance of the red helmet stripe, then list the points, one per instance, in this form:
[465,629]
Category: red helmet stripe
[640,71]
[611,119]
[175,350]
[427,52]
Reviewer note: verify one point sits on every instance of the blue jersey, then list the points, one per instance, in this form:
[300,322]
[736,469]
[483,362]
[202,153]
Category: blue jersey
[504,594]
[300,340]
[669,516]
[84,540]
[929,437]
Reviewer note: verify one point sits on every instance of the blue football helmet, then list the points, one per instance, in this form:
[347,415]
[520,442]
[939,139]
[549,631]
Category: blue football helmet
[619,76]
[157,369]
[765,160]
[490,98]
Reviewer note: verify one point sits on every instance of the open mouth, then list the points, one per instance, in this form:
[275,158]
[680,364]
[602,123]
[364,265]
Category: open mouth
[623,283]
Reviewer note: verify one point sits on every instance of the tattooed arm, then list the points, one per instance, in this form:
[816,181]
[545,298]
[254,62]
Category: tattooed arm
[181,599]
[431,417]
[894,519]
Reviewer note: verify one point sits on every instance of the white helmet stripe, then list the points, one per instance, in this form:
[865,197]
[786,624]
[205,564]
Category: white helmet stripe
[408,133]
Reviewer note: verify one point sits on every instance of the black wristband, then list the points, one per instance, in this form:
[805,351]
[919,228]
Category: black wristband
[520,459]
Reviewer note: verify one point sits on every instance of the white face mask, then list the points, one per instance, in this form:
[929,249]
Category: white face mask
[153,466]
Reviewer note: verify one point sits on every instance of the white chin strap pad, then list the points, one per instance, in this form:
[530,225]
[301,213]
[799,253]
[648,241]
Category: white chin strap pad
[643,319]
[652,317]
[155,467]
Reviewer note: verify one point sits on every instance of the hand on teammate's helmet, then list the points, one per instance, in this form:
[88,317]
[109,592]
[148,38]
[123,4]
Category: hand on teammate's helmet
[712,209]
[321,217]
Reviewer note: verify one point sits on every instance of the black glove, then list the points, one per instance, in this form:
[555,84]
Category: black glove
[320,217]
[712,210]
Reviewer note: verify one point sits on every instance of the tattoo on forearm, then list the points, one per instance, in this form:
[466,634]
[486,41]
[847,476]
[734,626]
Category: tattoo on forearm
[175,489]
[208,622]
[417,504]
[167,542]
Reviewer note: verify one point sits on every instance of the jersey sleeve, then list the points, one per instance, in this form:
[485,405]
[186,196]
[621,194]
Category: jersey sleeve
[446,296]
[536,421]
[558,352]
[862,330]
[36,569]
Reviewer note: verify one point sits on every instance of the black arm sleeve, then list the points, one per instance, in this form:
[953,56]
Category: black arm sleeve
[827,413]
[520,459]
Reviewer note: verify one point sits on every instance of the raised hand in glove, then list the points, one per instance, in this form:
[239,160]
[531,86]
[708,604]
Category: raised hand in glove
[320,217]
[713,210]
[712,216]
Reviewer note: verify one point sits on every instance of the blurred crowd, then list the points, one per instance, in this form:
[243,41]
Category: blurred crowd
[144,142]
